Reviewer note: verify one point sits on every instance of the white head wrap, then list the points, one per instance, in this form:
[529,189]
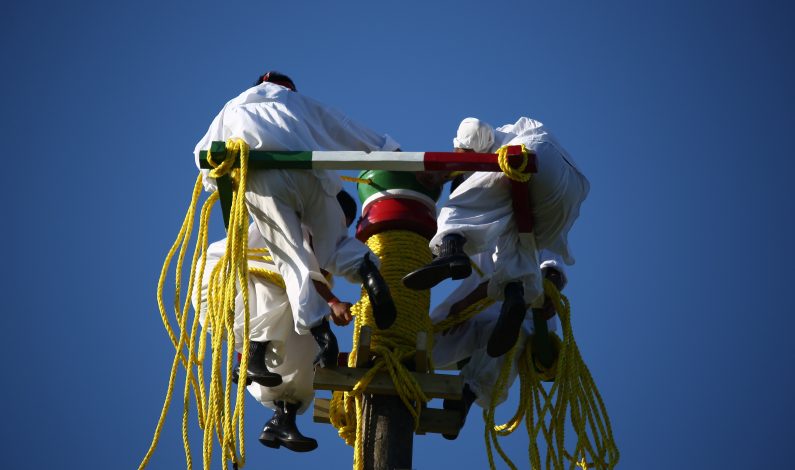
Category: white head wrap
[474,134]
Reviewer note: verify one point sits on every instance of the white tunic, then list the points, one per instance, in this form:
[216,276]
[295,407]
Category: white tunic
[288,354]
[271,117]
[480,209]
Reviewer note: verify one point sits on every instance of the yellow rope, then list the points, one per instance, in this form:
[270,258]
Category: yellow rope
[216,414]
[368,181]
[517,174]
[400,252]
[573,394]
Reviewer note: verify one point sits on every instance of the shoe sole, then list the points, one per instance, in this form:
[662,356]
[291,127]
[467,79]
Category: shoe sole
[454,405]
[265,381]
[384,310]
[506,331]
[384,315]
[429,276]
[274,442]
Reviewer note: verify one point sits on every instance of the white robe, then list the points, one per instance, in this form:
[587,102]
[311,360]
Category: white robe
[480,209]
[288,354]
[270,117]
[470,340]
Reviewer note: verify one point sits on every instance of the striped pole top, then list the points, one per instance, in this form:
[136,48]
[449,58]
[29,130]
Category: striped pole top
[353,160]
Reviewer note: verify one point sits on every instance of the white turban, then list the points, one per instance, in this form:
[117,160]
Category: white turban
[474,134]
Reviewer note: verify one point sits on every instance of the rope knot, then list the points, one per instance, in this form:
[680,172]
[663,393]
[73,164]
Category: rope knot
[234,147]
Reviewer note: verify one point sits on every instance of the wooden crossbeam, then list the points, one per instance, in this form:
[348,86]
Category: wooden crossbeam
[352,160]
[432,420]
[345,378]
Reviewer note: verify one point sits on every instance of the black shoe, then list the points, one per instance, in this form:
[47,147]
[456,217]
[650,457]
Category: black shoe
[257,370]
[451,263]
[282,431]
[463,405]
[329,350]
[512,314]
[384,310]
[236,376]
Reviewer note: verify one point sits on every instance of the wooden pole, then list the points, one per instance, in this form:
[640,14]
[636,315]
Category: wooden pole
[388,433]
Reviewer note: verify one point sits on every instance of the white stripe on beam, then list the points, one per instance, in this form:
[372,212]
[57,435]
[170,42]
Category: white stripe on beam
[395,161]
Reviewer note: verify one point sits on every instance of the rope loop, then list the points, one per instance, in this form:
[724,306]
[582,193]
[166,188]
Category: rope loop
[516,174]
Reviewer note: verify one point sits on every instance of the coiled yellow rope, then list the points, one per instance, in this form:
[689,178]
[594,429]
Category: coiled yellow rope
[573,394]
[517,174]
[216,414]
[400,252]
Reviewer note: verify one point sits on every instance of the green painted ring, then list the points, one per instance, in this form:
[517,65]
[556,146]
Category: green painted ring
[383,180]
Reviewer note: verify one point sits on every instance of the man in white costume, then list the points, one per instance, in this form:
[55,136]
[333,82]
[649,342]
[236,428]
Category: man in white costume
[479,217]
[467,341]
[281,370]
[273,116]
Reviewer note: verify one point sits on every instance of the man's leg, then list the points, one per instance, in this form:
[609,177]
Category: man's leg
[476,214]
[345,256]
[517,282]
[274,204]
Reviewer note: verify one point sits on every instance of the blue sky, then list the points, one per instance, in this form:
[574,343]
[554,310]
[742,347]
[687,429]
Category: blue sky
[678,112]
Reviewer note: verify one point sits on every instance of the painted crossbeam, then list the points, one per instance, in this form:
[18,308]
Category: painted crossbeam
[350,160]
[345,378]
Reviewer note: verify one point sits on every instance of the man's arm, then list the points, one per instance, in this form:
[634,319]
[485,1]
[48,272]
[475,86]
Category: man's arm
[340,311]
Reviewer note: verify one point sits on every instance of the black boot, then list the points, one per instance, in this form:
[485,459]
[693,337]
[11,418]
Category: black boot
[282,431]
[452,262]
[512,314]
[257,370]
[384,310]
[463,405]
[329,350]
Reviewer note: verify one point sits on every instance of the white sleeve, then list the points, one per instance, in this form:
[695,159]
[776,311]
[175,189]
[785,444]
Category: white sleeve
[334,130]
[553,260]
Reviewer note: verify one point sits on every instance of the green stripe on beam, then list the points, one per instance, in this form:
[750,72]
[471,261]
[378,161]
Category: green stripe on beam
[264,159]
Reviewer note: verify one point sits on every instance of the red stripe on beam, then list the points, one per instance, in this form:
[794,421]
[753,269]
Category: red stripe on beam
[465,161]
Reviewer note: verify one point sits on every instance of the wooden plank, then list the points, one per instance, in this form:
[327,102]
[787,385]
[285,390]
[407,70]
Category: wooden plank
[432,420]
[345,378]
[421,355]
[320,413]
[439,421]
[363,352]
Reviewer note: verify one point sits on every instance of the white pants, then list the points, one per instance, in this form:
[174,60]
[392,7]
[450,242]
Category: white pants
[482,370]
[471,338]
[292,358]
[289,354]
[280,201]
[481,210]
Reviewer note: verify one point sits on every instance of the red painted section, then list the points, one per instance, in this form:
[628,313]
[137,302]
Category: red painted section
[470,161]
[465,161]
[396,214]
[515,159]
[522,208]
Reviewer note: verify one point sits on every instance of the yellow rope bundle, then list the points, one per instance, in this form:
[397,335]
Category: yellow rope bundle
[573,393]
[216,414]
[400,252]
[517,174]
